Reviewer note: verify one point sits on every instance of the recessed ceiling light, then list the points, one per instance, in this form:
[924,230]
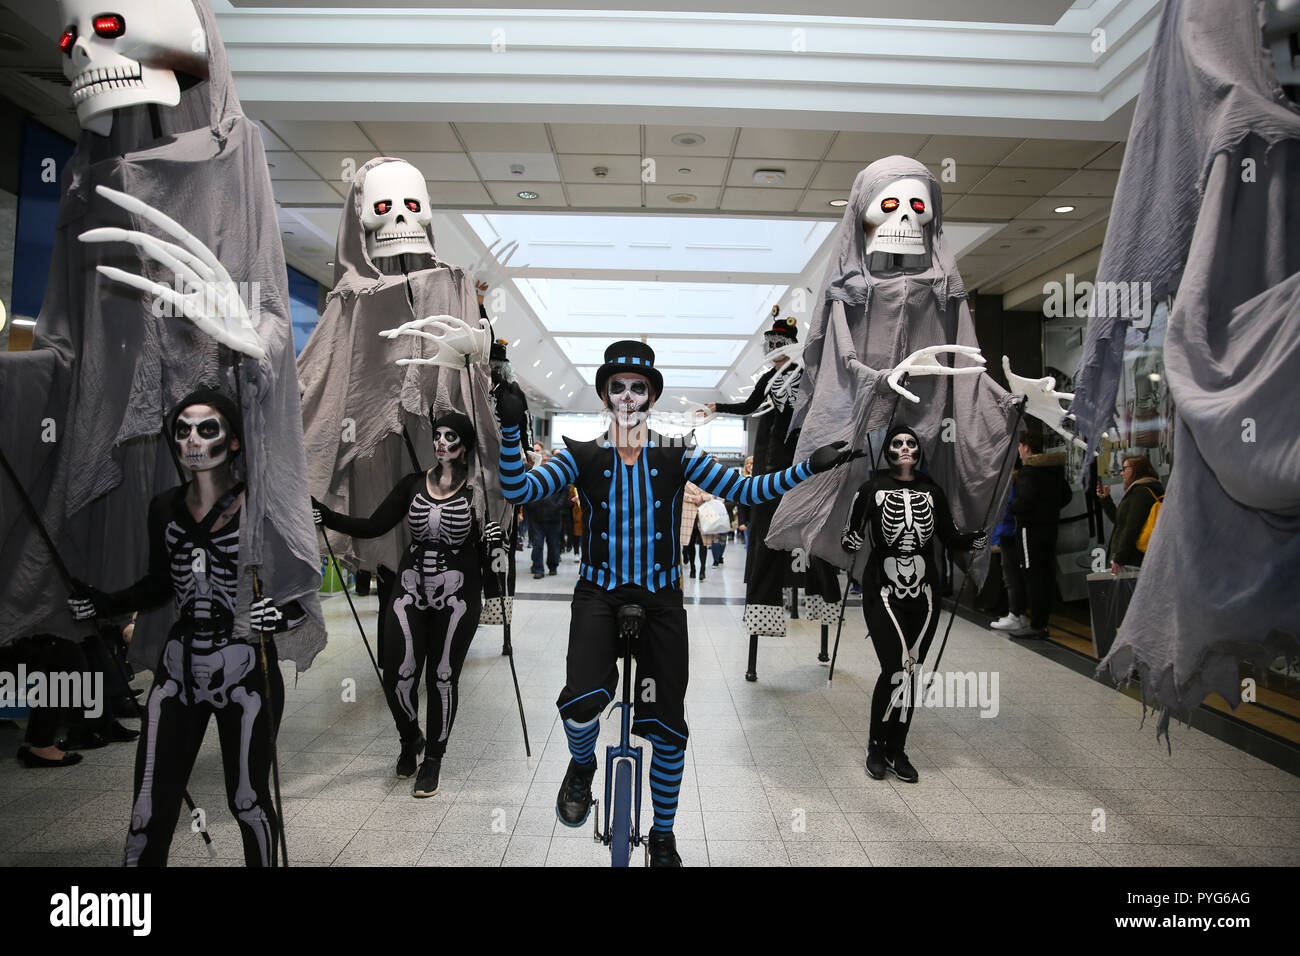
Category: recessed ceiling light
[1063,209]
[1033,230]
[288,232]
[537,363]
[839,202]
[550,373]
[688,139]
[682,197]
[769,177]
[684,170]
[527,194]
[1019,182]
[515,344]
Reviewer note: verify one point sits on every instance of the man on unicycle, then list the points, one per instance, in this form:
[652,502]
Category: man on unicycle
[630,486]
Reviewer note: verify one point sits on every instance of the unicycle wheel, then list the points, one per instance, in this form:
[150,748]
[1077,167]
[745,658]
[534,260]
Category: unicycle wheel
[620,823]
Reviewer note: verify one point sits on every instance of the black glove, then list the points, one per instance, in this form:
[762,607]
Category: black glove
[851,541]
[828,456]
[980,541]
[510,410]
[86,602]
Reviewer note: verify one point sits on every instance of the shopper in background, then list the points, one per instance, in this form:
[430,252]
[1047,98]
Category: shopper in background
[1141,489]
[719,545]
[742,511]
[546,529]
[1041,492]
[691,538]
[1007,542]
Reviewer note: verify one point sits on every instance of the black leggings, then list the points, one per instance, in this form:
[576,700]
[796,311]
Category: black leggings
[913,618]
[432,628]
[189,688]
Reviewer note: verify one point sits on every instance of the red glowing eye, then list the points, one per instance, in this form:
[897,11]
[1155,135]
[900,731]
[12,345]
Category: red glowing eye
[888,205]
[110,25]
[413,205]
[65,42]
[383,207]
[918,205]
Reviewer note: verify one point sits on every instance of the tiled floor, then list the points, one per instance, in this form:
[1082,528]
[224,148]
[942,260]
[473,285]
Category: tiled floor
[774,773]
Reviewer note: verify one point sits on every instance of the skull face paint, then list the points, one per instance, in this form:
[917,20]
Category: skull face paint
[896,217]
[119,53]
[447,445]
[203,438]
[772,341]
[395,210]
[628,397]
[903,452]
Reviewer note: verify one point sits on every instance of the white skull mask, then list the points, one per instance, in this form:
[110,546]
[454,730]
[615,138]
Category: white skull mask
[119,53]
[629,398]
[896,217]
[395,210]
[202,438]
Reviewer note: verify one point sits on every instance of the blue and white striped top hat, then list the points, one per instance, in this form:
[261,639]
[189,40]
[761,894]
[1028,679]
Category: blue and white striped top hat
[629,355]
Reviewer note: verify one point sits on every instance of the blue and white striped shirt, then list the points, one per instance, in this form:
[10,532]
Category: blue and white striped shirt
[632,513]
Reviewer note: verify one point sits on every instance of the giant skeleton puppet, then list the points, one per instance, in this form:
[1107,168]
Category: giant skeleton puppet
[375,367]
[146,208]
[894,303]
[1211,203]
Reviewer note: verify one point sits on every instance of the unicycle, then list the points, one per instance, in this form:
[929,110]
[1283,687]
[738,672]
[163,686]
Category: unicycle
[623,762]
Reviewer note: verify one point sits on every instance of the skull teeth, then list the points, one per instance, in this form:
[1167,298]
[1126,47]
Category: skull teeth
[91,83]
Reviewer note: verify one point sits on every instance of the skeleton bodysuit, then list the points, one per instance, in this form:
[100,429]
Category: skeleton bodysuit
[205,669]
[900,585]
[433,610]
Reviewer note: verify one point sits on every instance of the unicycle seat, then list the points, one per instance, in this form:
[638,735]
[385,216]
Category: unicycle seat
[630,619]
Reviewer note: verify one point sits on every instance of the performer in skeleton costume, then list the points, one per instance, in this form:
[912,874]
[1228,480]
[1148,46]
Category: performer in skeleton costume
[906,510]
[631,489]
[433,610]
[767,571]
[209,665]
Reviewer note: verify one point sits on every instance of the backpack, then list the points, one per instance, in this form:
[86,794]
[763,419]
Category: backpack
[1144,537]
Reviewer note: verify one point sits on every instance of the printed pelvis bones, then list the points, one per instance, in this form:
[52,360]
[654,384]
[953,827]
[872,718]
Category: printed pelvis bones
[896,217]
[395,210]
[128,56]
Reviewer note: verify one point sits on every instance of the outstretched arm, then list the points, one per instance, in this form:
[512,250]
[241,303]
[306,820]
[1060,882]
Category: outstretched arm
[384,518]
[521,486]
[750,404]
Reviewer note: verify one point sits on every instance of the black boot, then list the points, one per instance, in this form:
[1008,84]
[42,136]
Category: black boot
[573,804]
[876,765]
[426,784]
[663,849]
[410,750]
[900,766]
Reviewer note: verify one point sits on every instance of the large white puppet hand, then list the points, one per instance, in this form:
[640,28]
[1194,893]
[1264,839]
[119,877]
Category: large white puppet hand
[1043,401]
[455,339]
[692,413]
[924,362]
[212,301]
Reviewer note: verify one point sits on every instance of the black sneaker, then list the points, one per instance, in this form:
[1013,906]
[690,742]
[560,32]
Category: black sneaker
[876,765]
[410,750]
[573,804]
[119,734]
[426,784]
[901,767]
[663,849]
[553,571]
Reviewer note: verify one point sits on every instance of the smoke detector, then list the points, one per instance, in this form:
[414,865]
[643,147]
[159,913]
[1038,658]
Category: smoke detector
[688,139]
[600,172]
[516,169]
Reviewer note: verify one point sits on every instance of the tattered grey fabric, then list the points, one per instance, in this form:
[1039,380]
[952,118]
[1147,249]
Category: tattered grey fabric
[1219,581]
[356,399]
[84,409]
[865,325]
[1210,83]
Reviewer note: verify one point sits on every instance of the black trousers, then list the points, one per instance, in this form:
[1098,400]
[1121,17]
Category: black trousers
[427,633]
[661,653]
[1013,574]
[188,689]
[1039,562]
[916,618]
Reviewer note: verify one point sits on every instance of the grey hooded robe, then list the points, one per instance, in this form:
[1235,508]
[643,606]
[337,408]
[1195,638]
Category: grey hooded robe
[1211,178]
[356,399]
[84,408]
[866,324]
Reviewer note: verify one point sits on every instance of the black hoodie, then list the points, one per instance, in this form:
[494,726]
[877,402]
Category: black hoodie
[1041,490]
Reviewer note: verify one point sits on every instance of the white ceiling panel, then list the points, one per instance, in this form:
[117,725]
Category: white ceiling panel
[604,194]
[794,144]
[538,167]
[706,197]
[312,192]
[689,170]
[322,135]
[618,169]
[797,172]
[583,138]
[711,354]
[288,165]
[865,148]
[1018,181]
[977,150]
[507,194]
[463,194]
[716,140]
[756,197]
[1055,153]
[504,137]
[395,138]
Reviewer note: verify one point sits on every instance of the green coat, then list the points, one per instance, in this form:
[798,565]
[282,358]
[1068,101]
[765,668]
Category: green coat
[1130,518]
